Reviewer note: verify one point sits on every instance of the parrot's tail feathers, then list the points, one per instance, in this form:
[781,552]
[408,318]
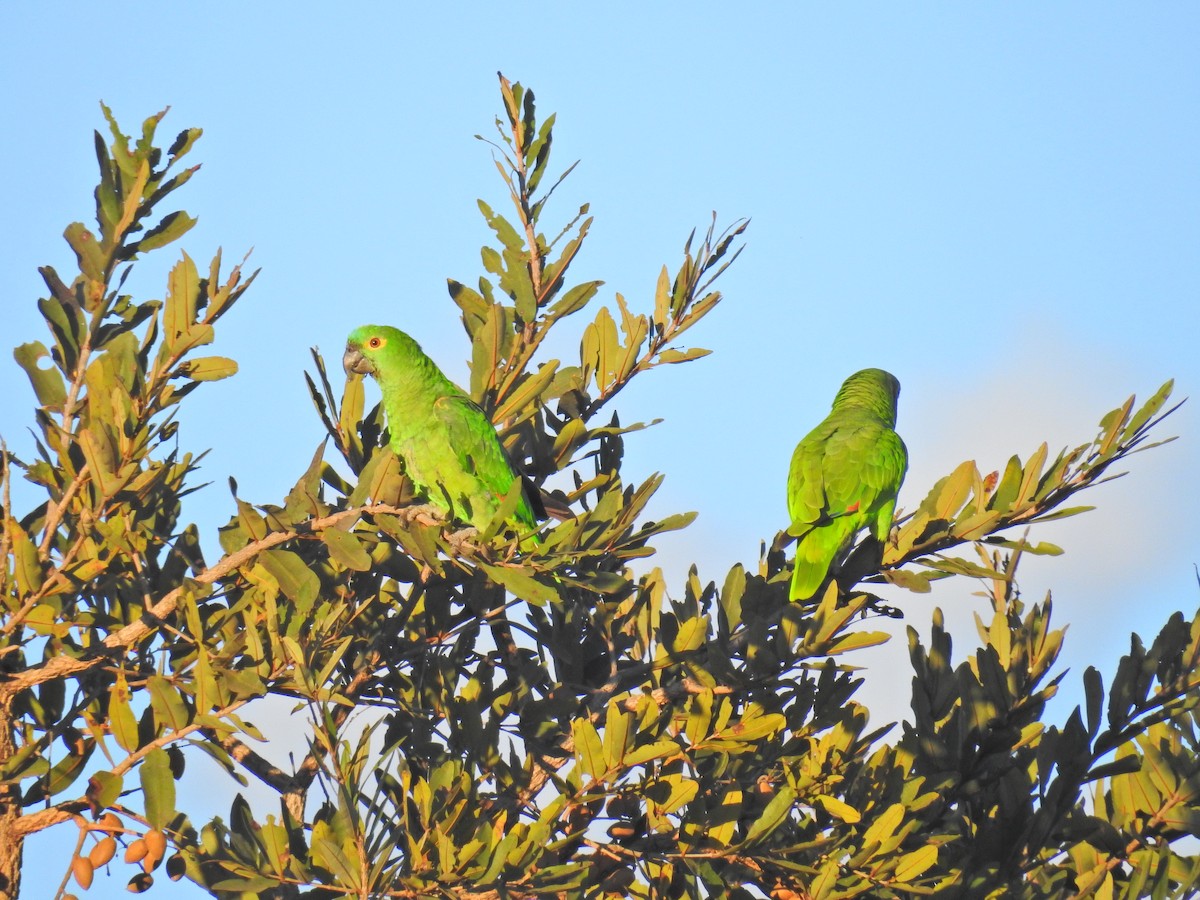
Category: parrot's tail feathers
[805,581]
[816,552]
[546,505]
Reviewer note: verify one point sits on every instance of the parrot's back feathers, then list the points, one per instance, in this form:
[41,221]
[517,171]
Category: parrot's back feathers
[844,476]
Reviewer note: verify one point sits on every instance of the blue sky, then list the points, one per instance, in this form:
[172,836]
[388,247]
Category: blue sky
[1000,203]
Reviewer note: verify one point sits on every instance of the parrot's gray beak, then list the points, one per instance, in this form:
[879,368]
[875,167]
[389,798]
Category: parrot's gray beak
[355,363]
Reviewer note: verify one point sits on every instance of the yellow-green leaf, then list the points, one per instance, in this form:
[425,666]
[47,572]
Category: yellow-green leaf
[209,368]
[588,748]
[772,816]
[838,809]
[346,549]
[913,865]
[120,715]
[158,785]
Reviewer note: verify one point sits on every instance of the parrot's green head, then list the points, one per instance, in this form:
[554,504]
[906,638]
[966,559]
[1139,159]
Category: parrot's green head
[872,389]
[371,348]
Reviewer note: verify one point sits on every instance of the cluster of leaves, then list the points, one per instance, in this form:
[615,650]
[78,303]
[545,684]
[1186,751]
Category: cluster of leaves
[93,574]
[494,720]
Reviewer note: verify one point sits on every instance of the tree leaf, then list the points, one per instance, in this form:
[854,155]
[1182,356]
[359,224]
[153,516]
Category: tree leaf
[838,808]
[170,711]
[527,587]
[774,815]
[208,368]
[918,862]
[158,788]
[588,749]
[346,549]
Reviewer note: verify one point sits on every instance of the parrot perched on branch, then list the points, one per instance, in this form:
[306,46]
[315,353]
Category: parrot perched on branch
[450,449]
[845,475]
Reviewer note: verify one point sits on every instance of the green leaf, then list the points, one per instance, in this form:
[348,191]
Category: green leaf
[731,596]
[647,752]
[158,786]
[346,549]
[917,582]
[120,715]
[353,401]
[208,368]
[884,826]
[382,479]
[617,735]
[1064,513]
[588,749]
[753,727]
[826,881]
[183,143]
[671,355]
[838,808]
[527,392]
[774,815]
[474,308]
[275,843]
[680,791]
[297,581]
[857,640]
[104,789]
[950,493]
[63,774]
[489,348]
[91,256]
[1031,476]
[692,635]
[662,299]
[183,292]
[601,347]
[1149,409]
[172,227]
[170,711]
[1093,687]
[575,299]
[27,565]
[47,383]
[723,820]
[504,231]
[523,586]
[913,865]
[103,461]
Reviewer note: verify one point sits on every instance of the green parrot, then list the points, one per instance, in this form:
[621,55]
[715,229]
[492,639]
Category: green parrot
[450,449]
[844,477]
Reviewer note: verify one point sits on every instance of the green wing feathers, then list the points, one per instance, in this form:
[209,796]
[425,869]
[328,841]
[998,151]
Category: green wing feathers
[844,476]
[480,474]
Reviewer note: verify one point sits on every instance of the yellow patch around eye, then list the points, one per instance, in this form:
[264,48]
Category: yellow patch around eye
[376,343]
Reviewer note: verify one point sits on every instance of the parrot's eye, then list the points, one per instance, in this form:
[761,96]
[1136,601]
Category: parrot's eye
[375,343]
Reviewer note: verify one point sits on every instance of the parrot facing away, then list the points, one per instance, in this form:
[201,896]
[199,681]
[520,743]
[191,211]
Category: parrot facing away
[845,475]
[450,448]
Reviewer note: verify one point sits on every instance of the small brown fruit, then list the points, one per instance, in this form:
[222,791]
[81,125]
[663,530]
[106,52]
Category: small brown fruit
[104,850]
[157,842]
[136,851]
[83,871]
[156,849]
